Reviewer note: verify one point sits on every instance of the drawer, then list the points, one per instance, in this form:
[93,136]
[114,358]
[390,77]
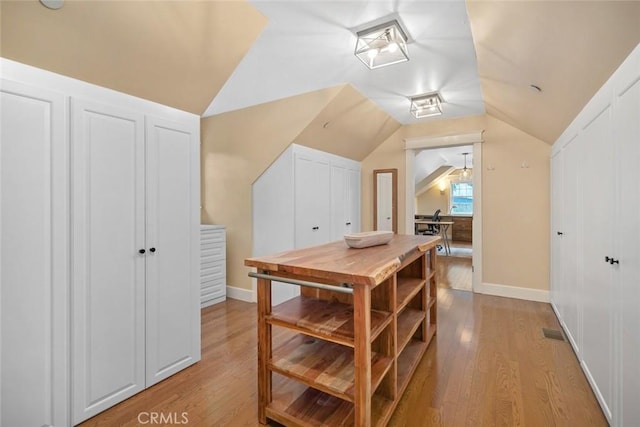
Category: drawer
[212,271]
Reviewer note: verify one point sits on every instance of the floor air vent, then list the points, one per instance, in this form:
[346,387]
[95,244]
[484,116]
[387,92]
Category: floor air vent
[553,334]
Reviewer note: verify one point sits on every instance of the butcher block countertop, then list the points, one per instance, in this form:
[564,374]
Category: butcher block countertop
[337,263]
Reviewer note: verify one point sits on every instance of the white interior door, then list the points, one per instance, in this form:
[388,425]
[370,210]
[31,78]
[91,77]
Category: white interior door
[312,195]
[172,249]
[34,257]
[353,202]
[597,342]
[571,195]
[108,270]
[627,127]
[339,202]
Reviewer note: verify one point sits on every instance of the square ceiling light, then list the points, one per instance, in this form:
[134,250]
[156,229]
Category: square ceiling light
[426,105]
[382,45]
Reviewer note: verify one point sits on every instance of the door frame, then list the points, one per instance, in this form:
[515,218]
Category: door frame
[413,146]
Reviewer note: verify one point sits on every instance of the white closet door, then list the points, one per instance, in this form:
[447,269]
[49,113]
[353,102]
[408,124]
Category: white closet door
[172,244]
[108,271]
[597,179]
[312,201]
[558,293]
[339,201]
[627,127]
[571,195]
[353,188]
[34,257]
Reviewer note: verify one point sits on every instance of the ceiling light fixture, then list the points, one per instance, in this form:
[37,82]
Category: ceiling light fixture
[426,105]
[382,45]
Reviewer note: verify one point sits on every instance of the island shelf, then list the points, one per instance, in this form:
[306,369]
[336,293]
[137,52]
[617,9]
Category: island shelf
[353,338]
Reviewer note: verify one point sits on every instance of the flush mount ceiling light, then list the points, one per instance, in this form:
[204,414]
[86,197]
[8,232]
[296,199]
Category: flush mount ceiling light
[426,105]
[382,45]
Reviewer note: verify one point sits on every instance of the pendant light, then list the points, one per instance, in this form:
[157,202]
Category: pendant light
[466,172]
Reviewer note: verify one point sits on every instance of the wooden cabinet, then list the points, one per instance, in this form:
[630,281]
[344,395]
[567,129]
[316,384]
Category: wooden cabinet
[305,198]
[595,262]
[100,246]
[363,333]
[34,259]
[213,268]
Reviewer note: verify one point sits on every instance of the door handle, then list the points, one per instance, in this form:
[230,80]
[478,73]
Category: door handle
[560,233]
[152,250]
[611,260]
[348,223]
[315,228]
[141,251]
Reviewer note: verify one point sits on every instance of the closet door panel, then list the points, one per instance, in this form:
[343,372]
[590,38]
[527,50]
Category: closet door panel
[312,201]
[570,239]
[597,159]
[627,127]
[108,270]
[353,201]
[557,228]
[173,324]
[34,257]
[339,202]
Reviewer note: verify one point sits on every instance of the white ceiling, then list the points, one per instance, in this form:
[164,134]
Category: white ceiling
[308,45]
[428,161]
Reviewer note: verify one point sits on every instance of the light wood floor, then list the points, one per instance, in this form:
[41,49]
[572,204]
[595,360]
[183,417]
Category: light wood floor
[489,365]
[454,273]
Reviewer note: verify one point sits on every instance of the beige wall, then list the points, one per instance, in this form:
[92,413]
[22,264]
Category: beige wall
[515,200]
[431,200]
[177,53]
[236,148]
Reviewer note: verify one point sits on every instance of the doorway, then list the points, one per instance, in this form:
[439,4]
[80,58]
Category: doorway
[459,203]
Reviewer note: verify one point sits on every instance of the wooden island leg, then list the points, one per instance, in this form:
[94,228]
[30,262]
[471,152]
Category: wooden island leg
[264,348]
[362,355]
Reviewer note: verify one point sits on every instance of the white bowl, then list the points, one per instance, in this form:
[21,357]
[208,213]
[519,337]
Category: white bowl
[368,238]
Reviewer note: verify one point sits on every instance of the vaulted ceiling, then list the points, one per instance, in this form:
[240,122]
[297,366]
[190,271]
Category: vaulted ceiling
[186,53]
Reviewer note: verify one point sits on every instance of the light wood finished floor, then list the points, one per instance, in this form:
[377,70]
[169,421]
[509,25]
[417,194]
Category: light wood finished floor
[454,273]
[489,365]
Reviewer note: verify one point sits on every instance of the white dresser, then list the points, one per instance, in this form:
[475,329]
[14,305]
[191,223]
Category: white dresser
[213,265]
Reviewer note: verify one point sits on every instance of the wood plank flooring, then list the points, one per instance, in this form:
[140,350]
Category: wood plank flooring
[489,365]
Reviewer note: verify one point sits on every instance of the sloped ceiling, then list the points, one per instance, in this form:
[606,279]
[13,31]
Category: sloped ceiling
[177,53]
[350,125]
[567,48]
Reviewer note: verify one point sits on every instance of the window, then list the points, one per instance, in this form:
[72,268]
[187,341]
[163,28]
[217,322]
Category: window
[461,200]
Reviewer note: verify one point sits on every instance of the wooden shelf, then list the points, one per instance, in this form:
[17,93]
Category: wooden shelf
[408,322]
[408,362]
[294,403]
[324,365]
[329,320]
[408,287]
[381,410]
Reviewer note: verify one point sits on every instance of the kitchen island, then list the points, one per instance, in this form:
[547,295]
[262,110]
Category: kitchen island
[354,336]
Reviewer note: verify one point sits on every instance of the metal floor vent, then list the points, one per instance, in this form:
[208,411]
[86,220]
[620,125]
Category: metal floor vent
[553,334]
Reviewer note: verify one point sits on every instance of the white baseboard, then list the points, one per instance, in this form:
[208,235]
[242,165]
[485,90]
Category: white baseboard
[513,292]
[240,294]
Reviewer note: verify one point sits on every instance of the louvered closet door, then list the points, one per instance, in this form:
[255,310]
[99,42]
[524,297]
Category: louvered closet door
[173,248]
[108,271]
[34,257]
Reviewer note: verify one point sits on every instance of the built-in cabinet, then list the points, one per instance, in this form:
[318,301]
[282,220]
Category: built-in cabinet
[213,265]
[100,242]
[306,197]
[595,249]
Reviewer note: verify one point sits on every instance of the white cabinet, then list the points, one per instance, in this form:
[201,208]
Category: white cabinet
[34,255]
[595,241]
[99,245]
[213,268]
[135,253]
[306,197]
